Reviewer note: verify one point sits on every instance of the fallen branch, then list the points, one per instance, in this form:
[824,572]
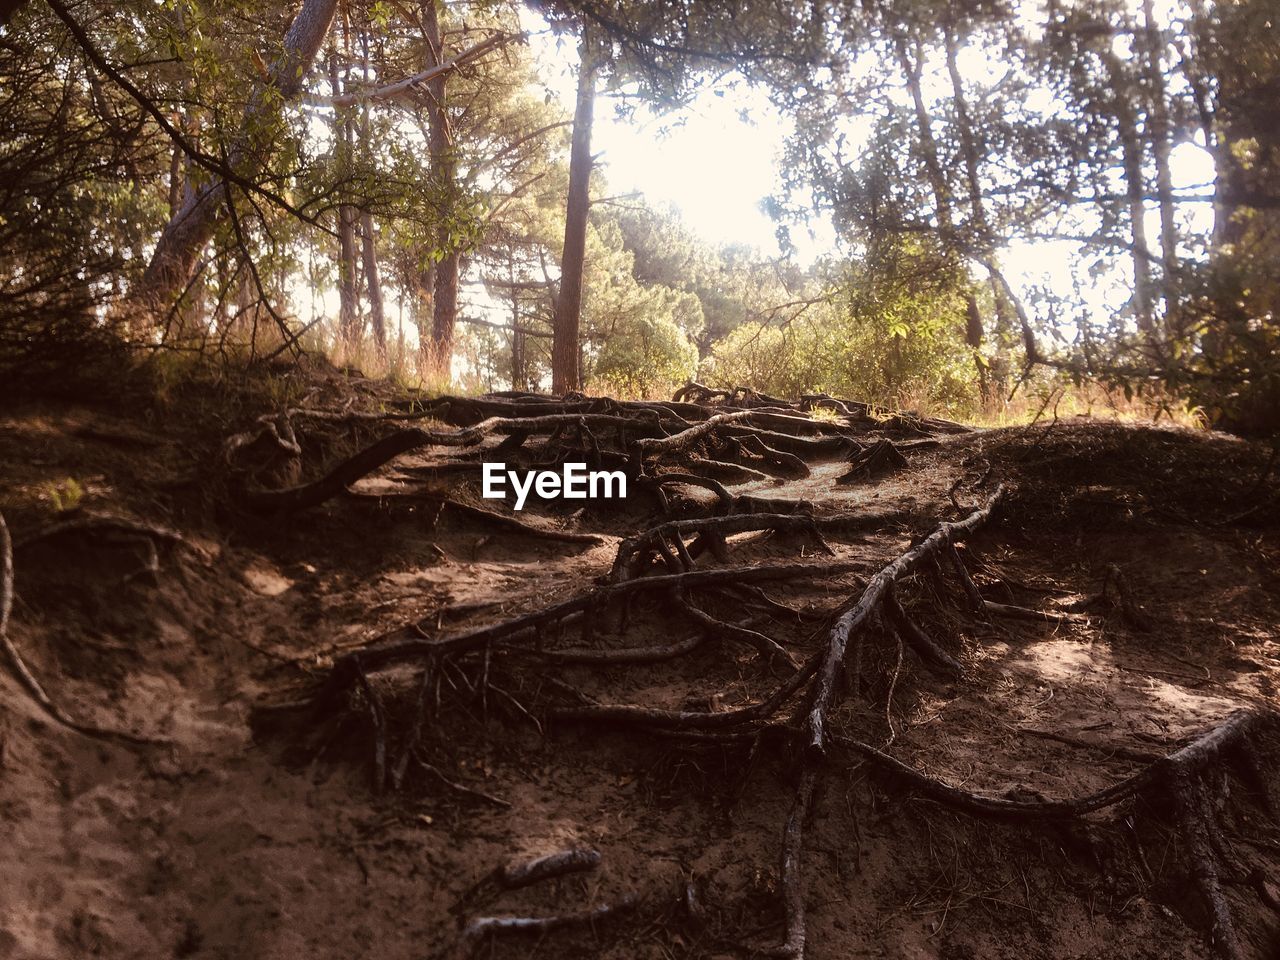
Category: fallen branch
[1026,613]
[573,860]
[487,926]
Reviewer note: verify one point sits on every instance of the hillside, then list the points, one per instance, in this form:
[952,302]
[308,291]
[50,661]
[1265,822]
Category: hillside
[845,681]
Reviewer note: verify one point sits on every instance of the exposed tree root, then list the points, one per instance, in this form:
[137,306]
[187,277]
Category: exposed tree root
[766,647]
[920,642]
[927,549]
[752,448]
[482,927]
[460,788]
[625,655]
[648,434]
[23,672]
[634,554]
[1178,776]
[412,438]
[479,513]
[573,860]
[725,472]
[657,448]
[109,523]
[874,461]
[823,697]
[838,445]
[1130,610]
[411,643]
[792,866]
[801,712]
[724,497]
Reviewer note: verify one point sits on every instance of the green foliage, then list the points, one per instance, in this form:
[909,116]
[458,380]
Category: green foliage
[64,496]
[648,356]
[638,336]
[884,334]
[1231,367]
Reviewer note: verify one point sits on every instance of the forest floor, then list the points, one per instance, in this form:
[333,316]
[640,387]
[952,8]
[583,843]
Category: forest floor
[296,801]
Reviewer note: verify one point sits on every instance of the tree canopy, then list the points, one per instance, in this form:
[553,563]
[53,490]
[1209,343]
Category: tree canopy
[387,182]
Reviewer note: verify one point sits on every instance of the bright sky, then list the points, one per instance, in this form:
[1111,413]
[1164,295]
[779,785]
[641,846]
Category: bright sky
[714,161]
[713,165]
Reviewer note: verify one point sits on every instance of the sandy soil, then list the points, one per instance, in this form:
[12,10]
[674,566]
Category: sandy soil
[254,833]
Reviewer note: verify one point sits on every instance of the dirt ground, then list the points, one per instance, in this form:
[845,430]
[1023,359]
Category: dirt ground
[254,831]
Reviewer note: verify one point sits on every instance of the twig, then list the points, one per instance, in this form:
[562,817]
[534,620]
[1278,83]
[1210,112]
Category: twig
[462,788]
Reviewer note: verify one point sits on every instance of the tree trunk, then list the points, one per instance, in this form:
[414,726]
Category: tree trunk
[179,181]
[942,195]
[565,345]
[424,281]
[444,315]
[349,325]
[176,181]
[1159,130]
[928,145]
[968,146]
[444,174]
[519,378]
[1226,230]
[192,226]
[1132,153]
[978,214]
[369,253]
[373,285]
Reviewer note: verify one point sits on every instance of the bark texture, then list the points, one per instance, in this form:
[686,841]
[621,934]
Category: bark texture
[565,348]
[444,298]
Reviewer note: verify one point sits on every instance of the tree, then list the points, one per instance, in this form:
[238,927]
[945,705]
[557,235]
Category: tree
[565,373]
[68,223]
[661,49]
[444,174]
[192,227]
